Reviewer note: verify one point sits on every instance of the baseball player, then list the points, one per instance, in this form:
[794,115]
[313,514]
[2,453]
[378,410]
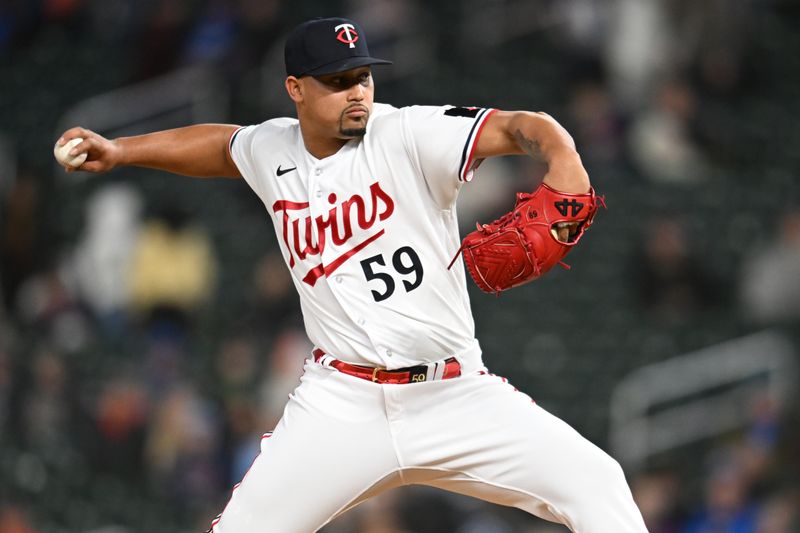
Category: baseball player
[362,197]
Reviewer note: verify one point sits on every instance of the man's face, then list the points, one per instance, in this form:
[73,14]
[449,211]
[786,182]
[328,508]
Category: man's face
[339,103]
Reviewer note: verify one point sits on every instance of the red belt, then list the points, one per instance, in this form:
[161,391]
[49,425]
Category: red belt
[447,369]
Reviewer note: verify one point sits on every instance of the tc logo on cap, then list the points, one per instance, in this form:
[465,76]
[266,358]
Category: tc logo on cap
[324,46]
[347,34]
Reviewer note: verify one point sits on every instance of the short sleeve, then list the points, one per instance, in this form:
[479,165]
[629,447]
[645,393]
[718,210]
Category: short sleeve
[444,139]
[240,146]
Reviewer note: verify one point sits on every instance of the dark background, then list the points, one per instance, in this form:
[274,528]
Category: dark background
[132,399]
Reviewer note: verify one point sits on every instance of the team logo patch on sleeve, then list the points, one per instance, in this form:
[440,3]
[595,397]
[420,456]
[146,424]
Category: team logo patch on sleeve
[469,112]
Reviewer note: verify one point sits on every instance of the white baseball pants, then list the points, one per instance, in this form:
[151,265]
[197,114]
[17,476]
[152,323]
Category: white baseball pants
[343,440]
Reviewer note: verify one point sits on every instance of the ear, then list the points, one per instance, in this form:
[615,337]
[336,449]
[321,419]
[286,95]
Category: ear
[294,87]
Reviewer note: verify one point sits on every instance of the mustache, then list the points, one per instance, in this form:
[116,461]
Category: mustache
[360,107]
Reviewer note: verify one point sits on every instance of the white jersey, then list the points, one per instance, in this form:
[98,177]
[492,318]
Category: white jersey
[368,232]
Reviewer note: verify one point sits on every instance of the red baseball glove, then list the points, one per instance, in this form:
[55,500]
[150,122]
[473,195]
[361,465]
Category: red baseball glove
[527,242]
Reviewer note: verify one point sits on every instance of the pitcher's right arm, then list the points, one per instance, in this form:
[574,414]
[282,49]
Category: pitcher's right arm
[200,151]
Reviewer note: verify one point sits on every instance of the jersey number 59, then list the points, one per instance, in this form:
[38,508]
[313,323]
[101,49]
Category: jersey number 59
[399,259]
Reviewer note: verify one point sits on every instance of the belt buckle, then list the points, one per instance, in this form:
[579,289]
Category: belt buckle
[375,371]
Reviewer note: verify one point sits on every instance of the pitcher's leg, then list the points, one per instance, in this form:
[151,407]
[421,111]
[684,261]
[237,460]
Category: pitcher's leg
[325,454]
[503,448]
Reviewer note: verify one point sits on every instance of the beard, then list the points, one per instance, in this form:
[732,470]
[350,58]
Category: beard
[353,132]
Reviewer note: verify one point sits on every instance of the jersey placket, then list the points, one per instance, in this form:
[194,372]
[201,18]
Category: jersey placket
[318,205]
[323,176]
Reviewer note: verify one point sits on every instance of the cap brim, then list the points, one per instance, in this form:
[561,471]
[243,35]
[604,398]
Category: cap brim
[346,64]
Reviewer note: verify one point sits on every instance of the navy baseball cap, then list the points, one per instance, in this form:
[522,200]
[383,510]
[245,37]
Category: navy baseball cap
[324,46]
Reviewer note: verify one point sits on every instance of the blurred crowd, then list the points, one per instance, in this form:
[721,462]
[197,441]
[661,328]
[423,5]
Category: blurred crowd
[131,398]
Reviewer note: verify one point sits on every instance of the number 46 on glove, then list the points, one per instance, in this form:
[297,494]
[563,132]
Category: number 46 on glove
[525,243]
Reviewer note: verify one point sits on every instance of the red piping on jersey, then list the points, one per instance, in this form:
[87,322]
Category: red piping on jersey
[468,162]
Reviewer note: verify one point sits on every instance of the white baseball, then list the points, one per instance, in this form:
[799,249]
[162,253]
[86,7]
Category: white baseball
[62,153]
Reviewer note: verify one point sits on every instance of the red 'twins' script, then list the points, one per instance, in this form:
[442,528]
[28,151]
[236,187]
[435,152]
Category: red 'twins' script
[307,236]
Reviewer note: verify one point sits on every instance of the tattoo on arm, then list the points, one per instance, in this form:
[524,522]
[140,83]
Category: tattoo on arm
[529,146]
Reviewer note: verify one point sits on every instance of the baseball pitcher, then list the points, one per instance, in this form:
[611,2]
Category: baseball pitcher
[363,200]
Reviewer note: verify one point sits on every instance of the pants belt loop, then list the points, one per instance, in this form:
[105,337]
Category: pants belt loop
[431,374]
[439,371]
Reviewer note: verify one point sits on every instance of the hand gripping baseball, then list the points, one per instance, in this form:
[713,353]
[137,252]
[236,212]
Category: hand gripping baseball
[101,154]
[527,242]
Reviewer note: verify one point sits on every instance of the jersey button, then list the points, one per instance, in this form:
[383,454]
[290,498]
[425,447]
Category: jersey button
[318,194]
[317,171]
[338,279]
[361,321]
[389,353]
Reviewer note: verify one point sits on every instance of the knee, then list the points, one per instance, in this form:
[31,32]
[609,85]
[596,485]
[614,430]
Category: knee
[613,470]
[612,467]
[610,505]
[605,473]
